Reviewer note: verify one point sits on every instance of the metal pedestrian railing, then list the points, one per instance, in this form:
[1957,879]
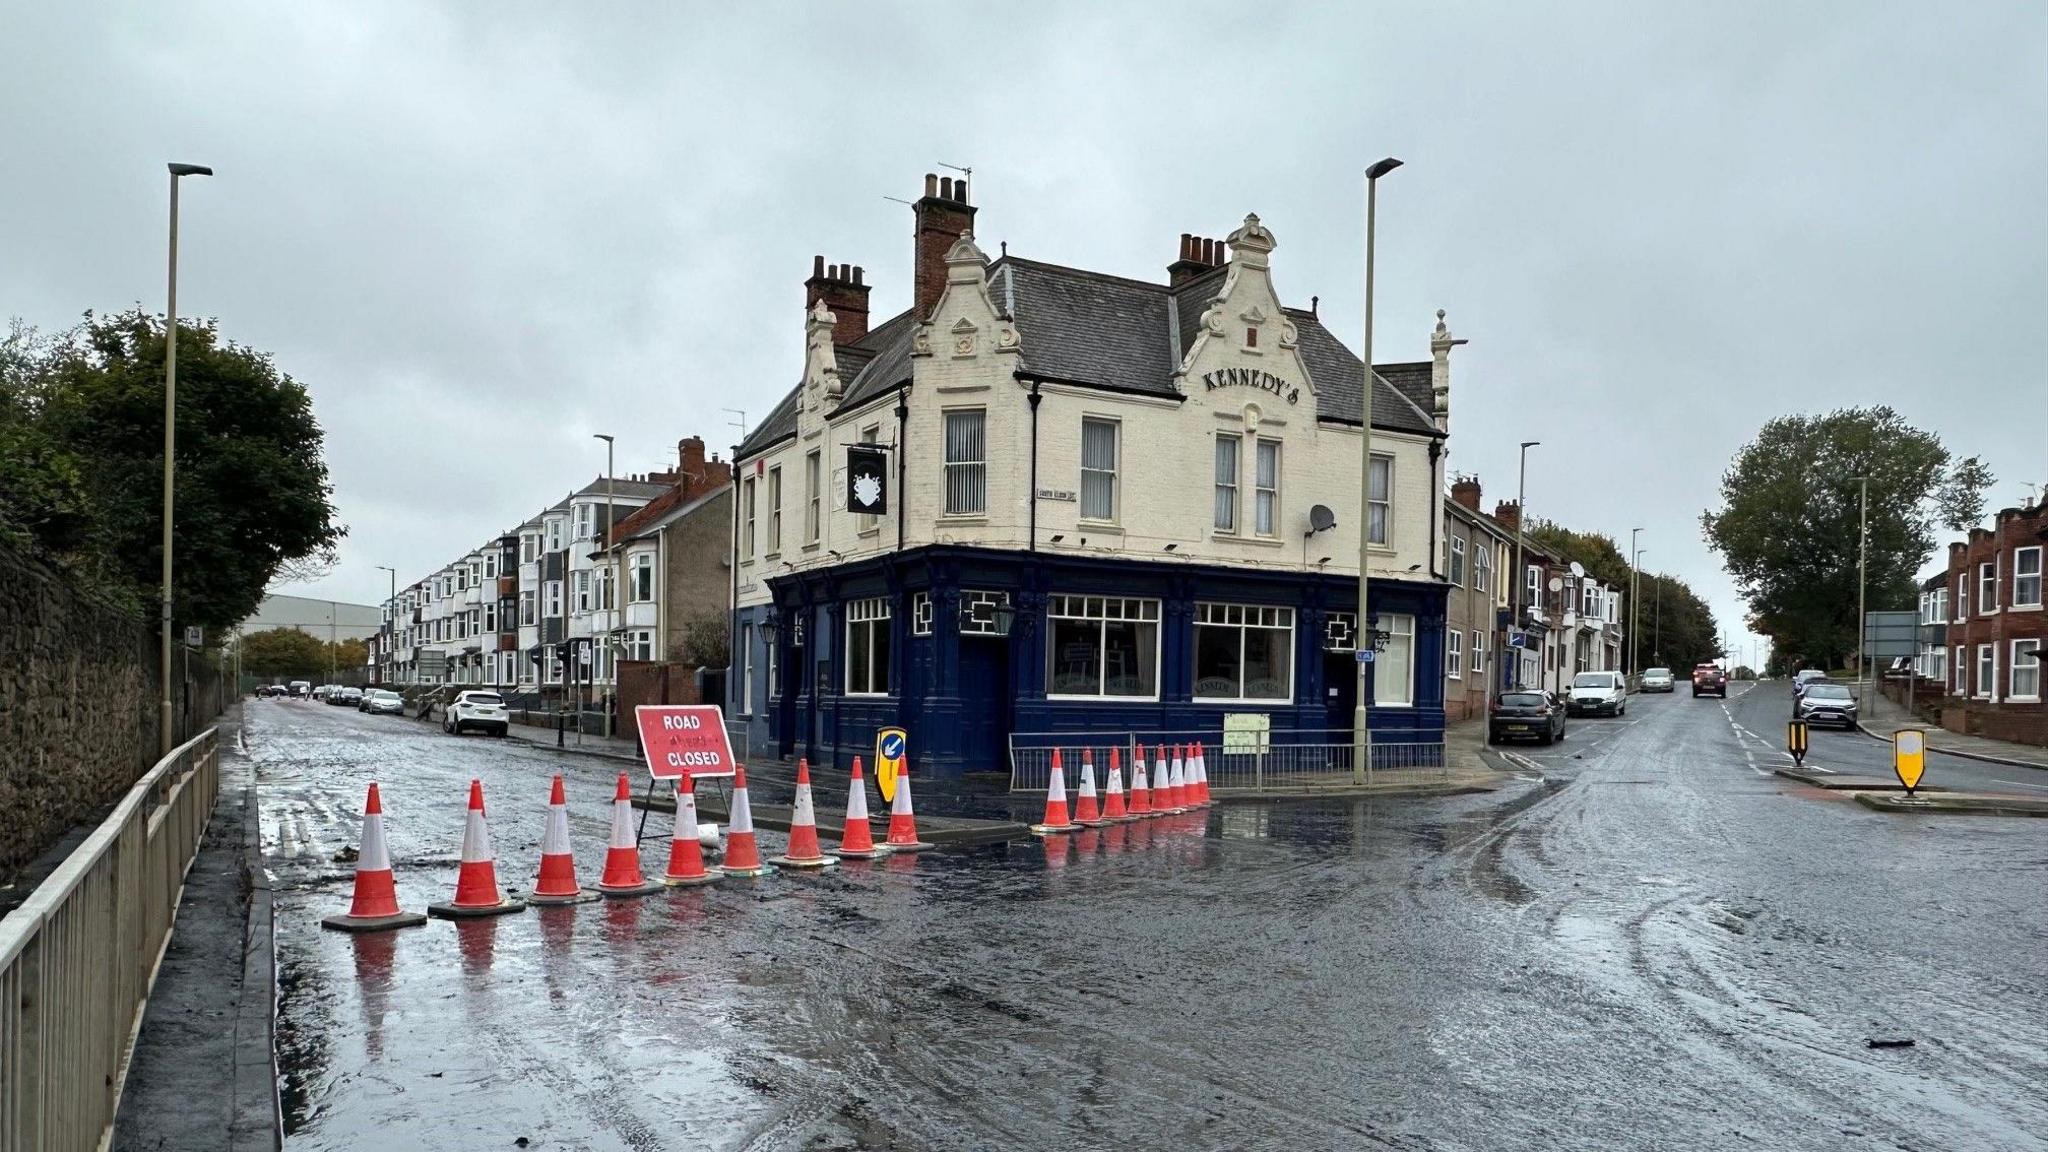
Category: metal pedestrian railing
[78,957]
[1300,760]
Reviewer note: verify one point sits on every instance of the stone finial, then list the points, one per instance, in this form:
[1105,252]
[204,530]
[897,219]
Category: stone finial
[1252,241]
[1440,344]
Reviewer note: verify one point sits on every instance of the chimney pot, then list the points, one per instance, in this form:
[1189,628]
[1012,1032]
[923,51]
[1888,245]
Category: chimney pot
[856,275]
[1187,245]
[960,189]
[817,265]
[945,187]
[1209,253]
[942,218]
[931,184]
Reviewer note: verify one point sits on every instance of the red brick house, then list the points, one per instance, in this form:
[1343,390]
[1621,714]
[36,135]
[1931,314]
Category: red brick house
[1997,629]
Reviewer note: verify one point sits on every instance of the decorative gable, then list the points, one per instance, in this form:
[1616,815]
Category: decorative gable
[1245,339]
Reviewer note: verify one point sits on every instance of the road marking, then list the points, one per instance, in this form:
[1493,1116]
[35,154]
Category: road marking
[2024,784]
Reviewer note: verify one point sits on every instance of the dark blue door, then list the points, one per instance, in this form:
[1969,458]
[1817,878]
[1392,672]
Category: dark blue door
[985,704]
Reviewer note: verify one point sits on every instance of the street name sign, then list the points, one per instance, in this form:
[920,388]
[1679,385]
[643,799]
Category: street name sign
[1909,756]
[892,748]
[684,740]
[1365,655]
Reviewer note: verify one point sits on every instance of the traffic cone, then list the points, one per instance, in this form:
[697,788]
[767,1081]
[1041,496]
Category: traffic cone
[622,856]
[742,855]
[374,906]
[686,843]
[856,837]
[1113,811]
[1201,775]
[1056,820]
[557,883]
[1085,812]
[476,886]
[902,822]
[1177,780]
[802,851]
[1162,786]
[1141,792]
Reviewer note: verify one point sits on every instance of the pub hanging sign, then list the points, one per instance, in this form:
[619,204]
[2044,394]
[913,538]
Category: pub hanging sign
[867,480]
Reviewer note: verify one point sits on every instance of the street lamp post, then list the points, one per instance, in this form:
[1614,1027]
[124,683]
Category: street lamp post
[1635,555]
[165,735]
[612,612]
[391,619]
[1862,577]
[1521,578]
[1361,736]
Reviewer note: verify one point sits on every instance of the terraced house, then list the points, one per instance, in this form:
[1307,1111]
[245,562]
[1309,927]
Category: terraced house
[1048,500]
[1998,629]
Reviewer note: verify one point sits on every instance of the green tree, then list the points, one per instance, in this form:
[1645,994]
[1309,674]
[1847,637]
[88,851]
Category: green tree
[1676,627]
[1787,525]
[1595,551]
[284,652]
[81,462]
[350,657]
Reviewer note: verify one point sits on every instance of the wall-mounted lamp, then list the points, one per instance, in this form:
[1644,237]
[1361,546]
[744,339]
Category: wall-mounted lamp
[1171,547]
[1058,536]
[835,553]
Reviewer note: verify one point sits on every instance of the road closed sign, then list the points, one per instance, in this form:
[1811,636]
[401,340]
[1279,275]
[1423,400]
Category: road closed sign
[684,740]
[892,745]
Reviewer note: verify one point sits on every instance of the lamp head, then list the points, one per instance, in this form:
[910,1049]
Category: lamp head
[190,170]
[1382,168]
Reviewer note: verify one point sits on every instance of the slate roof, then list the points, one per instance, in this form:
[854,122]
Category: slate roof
[1087,327]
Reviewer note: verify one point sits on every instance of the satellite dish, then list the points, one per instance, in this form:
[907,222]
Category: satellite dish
[1578,569]
[1557,583]
[1320,518]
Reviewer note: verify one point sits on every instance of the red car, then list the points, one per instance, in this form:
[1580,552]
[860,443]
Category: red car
[1710,680]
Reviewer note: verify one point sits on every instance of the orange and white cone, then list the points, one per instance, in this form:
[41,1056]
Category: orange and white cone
[1056,820]
[803,828]
[856,836]
[1200,774]
[1113,811]
[686,842]
[1141,792]
[1177,780]
[1086,813]
[374,905]
[476,885]
[902,822]
[742,854]
[1162,786]
[622,875]
[557,883]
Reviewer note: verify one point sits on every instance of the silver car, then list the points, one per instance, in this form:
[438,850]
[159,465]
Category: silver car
[1825,703]
[1659,680]
[383,702]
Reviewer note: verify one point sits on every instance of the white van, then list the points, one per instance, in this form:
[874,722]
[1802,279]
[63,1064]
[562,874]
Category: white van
[1597,694]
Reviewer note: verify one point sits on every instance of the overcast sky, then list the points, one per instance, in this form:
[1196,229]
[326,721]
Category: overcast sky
[481,232]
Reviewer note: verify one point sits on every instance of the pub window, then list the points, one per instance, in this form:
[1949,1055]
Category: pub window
[811,517]
[1393,670]
[774,511]
[978,611]
[1244,652]
[1380,501]
[921,614]
[1098,469]
[966,462]
[867,647]
[1226,483]
[1266,488]
[1102,647]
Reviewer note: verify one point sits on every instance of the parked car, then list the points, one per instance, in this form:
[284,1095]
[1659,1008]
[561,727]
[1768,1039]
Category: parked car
[1826,703]
[1659,680]
[383,702]
[484,711]
[1535,715]
[1597,694]
[320,691]
[1802,678]
[1710,680]
[300,689]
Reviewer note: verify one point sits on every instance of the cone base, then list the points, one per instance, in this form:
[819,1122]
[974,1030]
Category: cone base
[343,922]
[909,845]
[579,896]
[1126,818]
[1092,823]
[804,862]
[628,891]
[875,853]
[732,870]
[454,911]
[1053,829]
[690,881]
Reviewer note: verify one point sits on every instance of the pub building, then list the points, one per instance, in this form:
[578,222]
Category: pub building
[1045,502]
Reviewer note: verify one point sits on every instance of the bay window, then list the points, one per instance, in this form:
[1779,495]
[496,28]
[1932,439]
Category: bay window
[642,580]
[1987,588]
[1102,647]
[2026,671]
[1244,652]
[2026,577]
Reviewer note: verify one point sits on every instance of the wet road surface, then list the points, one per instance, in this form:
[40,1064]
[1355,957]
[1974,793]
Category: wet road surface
[1643,943]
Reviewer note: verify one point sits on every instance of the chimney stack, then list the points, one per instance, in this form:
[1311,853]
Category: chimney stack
[1508,514]
[943,216]
[842,288]
[1466,492]
[1197,255]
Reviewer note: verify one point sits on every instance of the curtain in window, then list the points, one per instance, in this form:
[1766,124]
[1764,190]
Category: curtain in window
[1098,470]
[1226,483]
[1268,486]
[966,463]
[1376,517]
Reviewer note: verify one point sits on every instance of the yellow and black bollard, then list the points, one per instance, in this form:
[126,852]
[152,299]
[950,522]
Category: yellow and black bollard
[1795,741]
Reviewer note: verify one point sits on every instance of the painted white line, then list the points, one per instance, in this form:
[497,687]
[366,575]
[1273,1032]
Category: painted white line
[2024,784]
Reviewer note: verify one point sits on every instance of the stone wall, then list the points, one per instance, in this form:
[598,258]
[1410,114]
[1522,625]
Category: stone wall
[78,706]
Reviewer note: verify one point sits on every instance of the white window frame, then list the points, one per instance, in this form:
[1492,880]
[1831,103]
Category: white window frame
[1454,564]
[775,511]
[1244,619]
[920,614]
[814,520]
[1987,672]
[1482,566]
[1987,587]
[872,614]
[553,527]
[528,608]
[965,466]
[1962,597]
[551,599]
[2029,651]
[1265,497]
[1386,537]
[582,584]
[1081,606]
[1225,513]
[746,668]
[529,547]
[1401,626]
[642,573]
[586,520]
[1961,670]
[2026,585]
[1454,654]
[1108,475]
[1478,661]
[490,616]
[975,622]
[748,503]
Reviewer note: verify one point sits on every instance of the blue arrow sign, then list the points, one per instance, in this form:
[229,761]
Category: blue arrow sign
[892,746]
[1365,655]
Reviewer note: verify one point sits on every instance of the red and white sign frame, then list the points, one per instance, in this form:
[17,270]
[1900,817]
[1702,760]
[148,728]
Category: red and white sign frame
[684,740]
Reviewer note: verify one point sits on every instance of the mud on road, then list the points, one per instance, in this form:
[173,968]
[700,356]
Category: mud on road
[1643,945]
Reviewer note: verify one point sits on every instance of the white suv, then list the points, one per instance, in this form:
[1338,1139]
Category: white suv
[484,711]
[1594,693]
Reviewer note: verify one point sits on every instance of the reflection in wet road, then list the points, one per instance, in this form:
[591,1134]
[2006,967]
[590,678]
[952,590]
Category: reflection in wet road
[1650,947]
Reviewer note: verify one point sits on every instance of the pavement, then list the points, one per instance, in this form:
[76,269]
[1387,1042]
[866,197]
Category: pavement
[203,1074]
[1643,939]
[1884,717]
